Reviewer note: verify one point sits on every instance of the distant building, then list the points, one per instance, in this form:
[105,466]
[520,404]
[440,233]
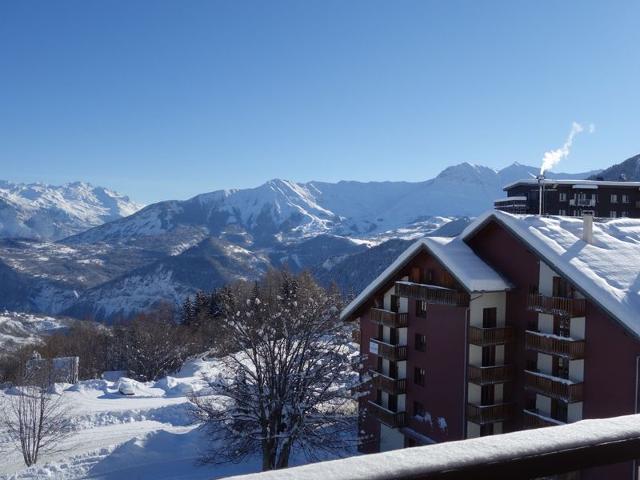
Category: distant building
[520,322]
[572,198]
[54,370]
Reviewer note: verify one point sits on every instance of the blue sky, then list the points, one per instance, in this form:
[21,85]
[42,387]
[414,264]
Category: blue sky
[169,99]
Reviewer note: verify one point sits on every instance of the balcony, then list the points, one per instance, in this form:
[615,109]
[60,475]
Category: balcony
[534,419]
[484,337]
[386,416]
[483,414]
[582,202]
[555,345]
[395,353]
[554,387]
[490,375]
[564,306]
[432,294]
[394,386]
[388,318]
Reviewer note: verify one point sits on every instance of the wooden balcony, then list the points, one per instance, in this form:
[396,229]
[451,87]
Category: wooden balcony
[395,353]
[388,318]
[533,419]
[394,386]
[490,375]
[568,307]
[483,414]
[432,294]
[553,387]
[555,345]
[386,416]
[484,337]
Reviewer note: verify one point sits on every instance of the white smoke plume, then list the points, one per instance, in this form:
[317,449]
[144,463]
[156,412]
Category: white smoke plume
[552,157]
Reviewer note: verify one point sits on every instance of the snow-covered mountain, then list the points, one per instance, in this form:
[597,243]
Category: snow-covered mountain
[52,212]
[171,249]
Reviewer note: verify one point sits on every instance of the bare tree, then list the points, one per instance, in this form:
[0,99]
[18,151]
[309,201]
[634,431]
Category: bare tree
[36,419]
[288,384]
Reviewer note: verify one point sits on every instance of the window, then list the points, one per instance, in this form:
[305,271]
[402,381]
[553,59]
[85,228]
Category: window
[486,429]
[562,212]
[488,356]
[614,198]
[487,395]
[560,367]
[420,342]
[613,214]
[562,326]
[421,308]
[625,198]
[559,410]
[489,317]
[418,409]
[395,304]
[419,376]
[563,196]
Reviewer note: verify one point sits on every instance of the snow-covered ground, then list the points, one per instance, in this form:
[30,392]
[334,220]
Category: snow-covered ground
[149,435]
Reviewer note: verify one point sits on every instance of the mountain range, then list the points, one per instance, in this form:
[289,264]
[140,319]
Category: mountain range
[48,212]
[344,232]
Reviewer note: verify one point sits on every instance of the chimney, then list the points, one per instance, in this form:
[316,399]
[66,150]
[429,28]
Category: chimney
[587,228]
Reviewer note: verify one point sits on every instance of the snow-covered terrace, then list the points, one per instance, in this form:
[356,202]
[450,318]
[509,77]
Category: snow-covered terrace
[524,454]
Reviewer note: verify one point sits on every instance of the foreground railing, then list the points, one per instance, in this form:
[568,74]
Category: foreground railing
[518,455]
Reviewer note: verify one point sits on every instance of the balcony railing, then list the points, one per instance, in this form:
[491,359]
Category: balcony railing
[483,414]
[394,386]
[386,416]
[395,353]
[555,345]
[490,336]
[582,202]
[569,307]
[432,294]
[388,318]
[558,388]
[533,419]
[490,375]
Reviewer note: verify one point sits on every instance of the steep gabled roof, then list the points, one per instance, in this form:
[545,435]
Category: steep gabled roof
[606,271]
[455,255]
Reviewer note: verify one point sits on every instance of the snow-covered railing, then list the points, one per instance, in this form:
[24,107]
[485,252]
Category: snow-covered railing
[555,345]
[395,386]
[571,307]
[554,387]
[388,318]
[524,454]
[433,294]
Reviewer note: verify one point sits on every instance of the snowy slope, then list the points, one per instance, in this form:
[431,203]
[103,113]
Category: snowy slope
[52,212]
[19,329]
[147,436]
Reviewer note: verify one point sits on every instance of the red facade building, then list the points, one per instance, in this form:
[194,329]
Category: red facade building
[520,322]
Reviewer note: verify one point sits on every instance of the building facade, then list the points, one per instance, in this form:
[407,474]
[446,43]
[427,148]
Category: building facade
[604,199]
[497,331]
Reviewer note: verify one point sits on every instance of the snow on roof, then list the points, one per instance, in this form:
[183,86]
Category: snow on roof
[607,270]
[511,199]
[454,254]
[581,183]
[431,459]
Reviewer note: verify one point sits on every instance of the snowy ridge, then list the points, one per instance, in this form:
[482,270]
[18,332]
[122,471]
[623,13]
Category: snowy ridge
[52,212]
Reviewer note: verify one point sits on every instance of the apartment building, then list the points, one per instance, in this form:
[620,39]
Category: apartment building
[572,198]
[520,322]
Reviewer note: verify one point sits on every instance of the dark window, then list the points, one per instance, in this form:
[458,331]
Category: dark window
[488,356]
[395,303]
[421,308]
[489,317]
[562,326]
[415,275]
[393,336]
[558,410]
[560,367]
[393,403]
[418,409]
[393,369]
[486,429]
[561,288]
[419,376]
[421,342]
[487,395]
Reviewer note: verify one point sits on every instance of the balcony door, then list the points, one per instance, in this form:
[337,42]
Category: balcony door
[489,317]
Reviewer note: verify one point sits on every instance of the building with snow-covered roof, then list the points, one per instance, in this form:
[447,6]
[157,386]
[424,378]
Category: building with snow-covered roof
[522,321]
[572,198]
